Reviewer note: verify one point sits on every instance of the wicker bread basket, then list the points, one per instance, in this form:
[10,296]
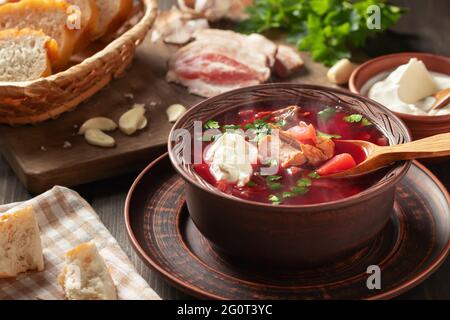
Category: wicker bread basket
[35,101]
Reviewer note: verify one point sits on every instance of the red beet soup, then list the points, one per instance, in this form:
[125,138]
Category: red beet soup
[300,145]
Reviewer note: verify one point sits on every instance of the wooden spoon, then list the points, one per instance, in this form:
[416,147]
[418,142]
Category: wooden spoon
[442,99]
[378,157]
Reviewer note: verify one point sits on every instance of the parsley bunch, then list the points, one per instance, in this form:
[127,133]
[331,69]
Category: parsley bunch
[325,28]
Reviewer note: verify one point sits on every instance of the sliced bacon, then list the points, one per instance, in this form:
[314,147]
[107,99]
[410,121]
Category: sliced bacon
[218,61]
[215,68]
[287,61]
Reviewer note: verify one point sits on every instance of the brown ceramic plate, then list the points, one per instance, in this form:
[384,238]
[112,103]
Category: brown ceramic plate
[413,245]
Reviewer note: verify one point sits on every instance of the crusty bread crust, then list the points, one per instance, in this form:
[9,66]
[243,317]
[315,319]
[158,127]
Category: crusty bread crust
[19,234]
[85,275]
[125,7]
[12,16]
[51,45]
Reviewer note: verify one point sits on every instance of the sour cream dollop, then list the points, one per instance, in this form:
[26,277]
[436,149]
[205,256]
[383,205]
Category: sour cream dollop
[410,88]
[231,158]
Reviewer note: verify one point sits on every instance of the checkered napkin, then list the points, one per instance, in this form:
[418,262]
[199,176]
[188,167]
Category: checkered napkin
[67,220]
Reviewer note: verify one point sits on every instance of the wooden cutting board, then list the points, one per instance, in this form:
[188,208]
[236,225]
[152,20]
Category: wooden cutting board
[52,153]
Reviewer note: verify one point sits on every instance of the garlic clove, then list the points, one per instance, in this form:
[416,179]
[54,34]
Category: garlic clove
[340,73]
[98,138]
[175,111]
[100,123]
[143,124]
[131,120]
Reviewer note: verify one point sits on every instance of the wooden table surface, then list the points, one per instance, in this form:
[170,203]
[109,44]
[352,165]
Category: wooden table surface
[425,32]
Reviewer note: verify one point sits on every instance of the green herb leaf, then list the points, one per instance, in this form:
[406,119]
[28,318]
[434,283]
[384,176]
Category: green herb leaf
[249,126]
[231,127]
[251,184]
[314,175]
[275,199]
[353,118]
[273,178]
[288,194]
[328,136]
[260,127]
[325,28]
[304,183]
[211,124]
[365,122]
[326,114]
[275,185]
[272,163]
[300,190]
[281,123]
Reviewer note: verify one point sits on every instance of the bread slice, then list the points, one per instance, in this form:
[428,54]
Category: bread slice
[89,15]
[26,55]
[20,243]
[112,14]
[86,276]
[50,16]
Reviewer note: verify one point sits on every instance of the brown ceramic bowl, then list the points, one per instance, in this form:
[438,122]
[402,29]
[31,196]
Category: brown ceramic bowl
[377,69]
[289,235]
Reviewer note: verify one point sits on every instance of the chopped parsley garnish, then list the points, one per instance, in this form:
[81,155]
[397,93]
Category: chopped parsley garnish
[302,186]
[326,114]
[353,118]
[259,123]
[275,185]
[357,118]
[365,122]
[275,199]
[231,127]
[304,183]
[211,124]
[328,135]
[260,127]
[272,162]
[251,184]
[288,194]
[300,190]
[273,178]
[314,175]
[272,182]
[281,123]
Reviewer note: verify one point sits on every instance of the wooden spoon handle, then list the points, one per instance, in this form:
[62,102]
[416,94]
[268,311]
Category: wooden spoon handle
[435,146]
[442,99]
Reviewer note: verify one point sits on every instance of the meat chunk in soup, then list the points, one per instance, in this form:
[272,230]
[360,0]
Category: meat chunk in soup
[273,148]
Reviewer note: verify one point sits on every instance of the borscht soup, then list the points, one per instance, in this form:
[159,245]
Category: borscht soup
[283,155]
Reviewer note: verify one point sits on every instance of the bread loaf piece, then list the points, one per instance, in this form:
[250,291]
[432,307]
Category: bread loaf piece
[26,54]
[86,276]
[88,15]
[20,243]
[112,13]
[49,16]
